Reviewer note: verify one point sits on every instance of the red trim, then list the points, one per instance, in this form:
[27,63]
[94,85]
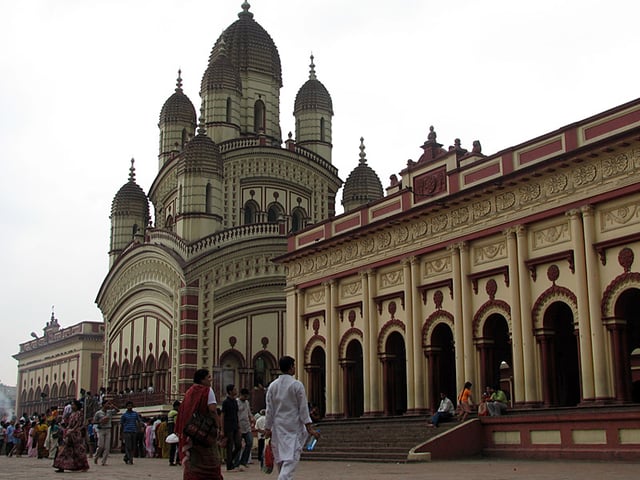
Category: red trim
[396,205]
[310,237]
[611,125]
[347,224]
[540,151]
[482,173]
[507,163]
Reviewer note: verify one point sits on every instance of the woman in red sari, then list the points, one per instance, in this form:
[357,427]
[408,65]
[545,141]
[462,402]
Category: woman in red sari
[200,462]
[73,454]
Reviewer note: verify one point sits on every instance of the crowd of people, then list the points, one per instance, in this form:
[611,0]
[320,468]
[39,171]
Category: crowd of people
[494,402]
[72,435]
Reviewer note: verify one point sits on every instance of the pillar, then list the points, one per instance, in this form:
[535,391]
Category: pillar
[419,373]
[601,384]
[410,334]
[584,325]
[367,359]
[467,315]
[457,312]
[517,396]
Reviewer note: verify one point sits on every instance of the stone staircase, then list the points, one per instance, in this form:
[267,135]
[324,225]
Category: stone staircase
[385,439]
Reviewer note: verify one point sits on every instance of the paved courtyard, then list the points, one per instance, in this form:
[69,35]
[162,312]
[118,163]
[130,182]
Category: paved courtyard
[156,469]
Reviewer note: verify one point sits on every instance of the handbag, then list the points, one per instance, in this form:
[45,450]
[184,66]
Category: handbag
[201,429]
[267,458]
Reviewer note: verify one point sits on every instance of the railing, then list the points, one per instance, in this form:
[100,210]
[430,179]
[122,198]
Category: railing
[215,240]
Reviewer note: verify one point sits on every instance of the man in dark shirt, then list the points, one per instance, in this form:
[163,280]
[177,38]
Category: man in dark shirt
[232,428]
[129,423]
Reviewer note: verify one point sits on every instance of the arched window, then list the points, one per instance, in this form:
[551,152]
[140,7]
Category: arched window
[54,391]
[250,212]
[63,390]
[298,219]
[322,129]
[207,198]
[168,223]
[72,391]
[185,137]
[163,379]
[275,213]
[228,110]
[136,374]
[259,116]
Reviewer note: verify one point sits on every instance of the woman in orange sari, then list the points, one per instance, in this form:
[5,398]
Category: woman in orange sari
[200,462]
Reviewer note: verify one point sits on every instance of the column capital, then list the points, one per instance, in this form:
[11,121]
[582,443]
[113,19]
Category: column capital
[587,210]
[573,214]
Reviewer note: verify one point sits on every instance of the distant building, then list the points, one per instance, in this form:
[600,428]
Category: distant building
[54,368]
[7,401]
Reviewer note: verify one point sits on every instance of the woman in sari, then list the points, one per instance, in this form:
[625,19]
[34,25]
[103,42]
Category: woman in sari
[41,430]
[200,462]
[161,437]
[32,441]
[73,452]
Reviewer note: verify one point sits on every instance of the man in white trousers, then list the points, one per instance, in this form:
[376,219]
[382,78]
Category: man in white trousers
[288,423]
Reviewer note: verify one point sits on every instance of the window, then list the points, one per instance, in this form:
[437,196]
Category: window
[228,110]
[297,219]
[250,212]
[258,116]
[322,129]
[275,213]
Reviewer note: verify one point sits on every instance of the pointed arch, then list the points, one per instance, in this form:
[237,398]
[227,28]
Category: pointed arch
[322,130]
[72,391]
[54,391]
[228,110]
[63,390]
[136,374]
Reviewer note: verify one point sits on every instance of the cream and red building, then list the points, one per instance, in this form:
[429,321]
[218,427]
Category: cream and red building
[519,268]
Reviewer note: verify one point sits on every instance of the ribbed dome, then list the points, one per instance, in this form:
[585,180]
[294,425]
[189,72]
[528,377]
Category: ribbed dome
[202,150]
[313,95]
[131,199]
[249,47]
[363,185]
[221,74]
[178,107]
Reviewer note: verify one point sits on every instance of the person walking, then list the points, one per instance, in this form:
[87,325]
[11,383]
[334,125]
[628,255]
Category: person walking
[129,425]
[465,401]
[287,420]
[232,429]
[246,423]
[73,455]
[102,421]
[171,424]
[200,461]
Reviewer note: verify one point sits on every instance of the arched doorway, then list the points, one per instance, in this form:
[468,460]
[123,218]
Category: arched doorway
[496,354]
[559,349]
[353,380]
[395,375]
[627,356]
[316,370]
[230,363]
[441,356]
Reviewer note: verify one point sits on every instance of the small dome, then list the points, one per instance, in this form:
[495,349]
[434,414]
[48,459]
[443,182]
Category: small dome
[201,150]
[131,199]
[249,47]
[362,186]
[178,107]
[313,95]
[221,74]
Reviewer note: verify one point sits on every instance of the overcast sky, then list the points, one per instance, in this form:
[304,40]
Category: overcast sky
[82,83]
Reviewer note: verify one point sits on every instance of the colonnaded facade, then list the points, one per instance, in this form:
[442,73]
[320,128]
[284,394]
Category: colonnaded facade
[517,268]
[196,286]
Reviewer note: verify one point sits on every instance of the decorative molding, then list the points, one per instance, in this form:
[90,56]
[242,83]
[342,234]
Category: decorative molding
[602,247]
[474,277]
[380,299]
[533,263]
[355,305]
[423,289]
[490,252]
[551,235]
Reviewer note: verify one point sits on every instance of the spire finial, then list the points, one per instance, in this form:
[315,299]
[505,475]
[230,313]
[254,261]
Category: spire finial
[201,128]
[363,156]
[245,10]
[312,69]
[132,171]
[179,81]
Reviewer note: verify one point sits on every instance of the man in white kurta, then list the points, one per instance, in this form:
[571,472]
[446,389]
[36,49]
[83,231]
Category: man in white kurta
[287,423]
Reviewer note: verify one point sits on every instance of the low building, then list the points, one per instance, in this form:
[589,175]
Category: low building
[56,367]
